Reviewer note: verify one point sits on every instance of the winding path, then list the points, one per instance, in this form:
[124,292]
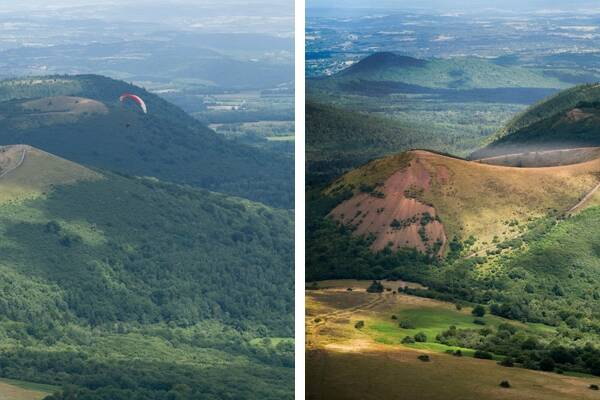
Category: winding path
[23,155]
[585,199]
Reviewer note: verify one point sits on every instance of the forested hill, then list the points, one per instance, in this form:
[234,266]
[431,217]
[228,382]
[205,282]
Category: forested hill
[129,286]
[407,74]
[166,143]
[566,120]
[338,140]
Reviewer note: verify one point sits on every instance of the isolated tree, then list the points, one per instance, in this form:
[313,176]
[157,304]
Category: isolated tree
[420,337]
[376,287]
[478,311]
[547,364]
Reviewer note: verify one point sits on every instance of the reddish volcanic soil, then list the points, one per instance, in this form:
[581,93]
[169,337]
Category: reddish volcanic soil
[394,213]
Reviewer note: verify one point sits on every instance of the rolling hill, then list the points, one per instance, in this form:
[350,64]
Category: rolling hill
[80,118]
[424,200]
[387,103]
[456,79]
[565,120]
[452,73]
[520,242]
[114,286]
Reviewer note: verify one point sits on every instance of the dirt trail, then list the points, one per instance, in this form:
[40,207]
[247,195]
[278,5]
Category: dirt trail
[541,152]
[11,168]
[585,199]
[312,326]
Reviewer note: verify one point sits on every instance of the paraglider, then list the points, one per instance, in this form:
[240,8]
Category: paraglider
[135,98]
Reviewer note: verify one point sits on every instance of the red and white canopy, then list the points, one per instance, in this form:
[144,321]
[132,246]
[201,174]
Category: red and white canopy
[135,98]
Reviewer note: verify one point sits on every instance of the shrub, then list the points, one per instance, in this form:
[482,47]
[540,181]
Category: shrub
[406,324]
[529,344]
[457,353]
[408,340]
[394,317]
[376,287]
[359,324]
[478,311]
[483,355]
[505,384]
[479,321]
[507,362]
[547,364]
[420,337]
[424,358]
[594,387]
[458,306]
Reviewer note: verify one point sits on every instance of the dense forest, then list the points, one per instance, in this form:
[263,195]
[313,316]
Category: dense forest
[125,287]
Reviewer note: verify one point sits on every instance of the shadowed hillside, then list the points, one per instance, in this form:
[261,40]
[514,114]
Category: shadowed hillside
[80,118]
[566,120]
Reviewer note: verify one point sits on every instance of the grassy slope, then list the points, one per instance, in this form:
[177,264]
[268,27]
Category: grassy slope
[109,267]
[166,143]
[19,390]
[478,199]
[340,357]
[565,257]
[385,374]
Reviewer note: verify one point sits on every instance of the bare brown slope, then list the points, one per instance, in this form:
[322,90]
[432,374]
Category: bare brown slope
[434,198]
[394,213]
[65,105]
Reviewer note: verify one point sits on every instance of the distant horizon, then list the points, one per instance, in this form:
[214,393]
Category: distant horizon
[466,6]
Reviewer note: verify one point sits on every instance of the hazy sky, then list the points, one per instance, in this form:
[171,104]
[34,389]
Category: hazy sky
[268,16]
[466,5]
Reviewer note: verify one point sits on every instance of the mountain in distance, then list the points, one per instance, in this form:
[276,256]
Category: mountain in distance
[455,79]
[364,111]
[115,285]
[81,118]
[175,57]
[568,119]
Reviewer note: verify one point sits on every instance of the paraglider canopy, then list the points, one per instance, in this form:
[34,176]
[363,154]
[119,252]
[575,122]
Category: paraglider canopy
[135,98]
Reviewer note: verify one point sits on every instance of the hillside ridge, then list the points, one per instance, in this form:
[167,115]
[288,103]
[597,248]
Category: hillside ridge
[424,200]
[81,119]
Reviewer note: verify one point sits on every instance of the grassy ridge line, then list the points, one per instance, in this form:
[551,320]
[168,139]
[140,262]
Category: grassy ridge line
[472,199]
